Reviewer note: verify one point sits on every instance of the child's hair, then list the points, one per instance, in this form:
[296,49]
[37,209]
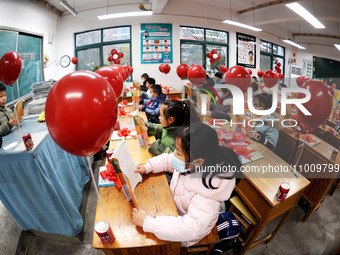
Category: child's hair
[250,52]
[219,75]
[265,99]
[282,85]
[255,78]
[145,75]
[151,81]
[2,87]
[182,110]
[157,89]
[254,86]
[204,144]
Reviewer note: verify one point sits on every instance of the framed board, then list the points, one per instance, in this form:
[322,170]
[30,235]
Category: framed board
[246,50]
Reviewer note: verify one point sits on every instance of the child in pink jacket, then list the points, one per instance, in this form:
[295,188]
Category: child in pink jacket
[200,182]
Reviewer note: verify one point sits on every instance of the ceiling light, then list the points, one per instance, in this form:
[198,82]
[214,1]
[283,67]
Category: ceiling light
[294,44]
[68,7]
[235,23]
[337,46]
[300,10]
[125,14]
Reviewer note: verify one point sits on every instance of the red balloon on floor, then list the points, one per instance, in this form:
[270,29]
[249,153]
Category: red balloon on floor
[81,112]
[238,76]
[113,77]
[320,105]
[10,67]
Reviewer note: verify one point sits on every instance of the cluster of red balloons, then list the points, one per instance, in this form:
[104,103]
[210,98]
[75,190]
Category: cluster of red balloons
[164,68]
[213,56]
[223,68]
[10,67]
[182,71]
[115,56]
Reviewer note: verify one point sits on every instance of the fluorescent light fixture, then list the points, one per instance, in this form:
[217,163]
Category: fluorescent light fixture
[300,10]
[337,46]
[294,44]
[231,22]
[68,7]
[125,14]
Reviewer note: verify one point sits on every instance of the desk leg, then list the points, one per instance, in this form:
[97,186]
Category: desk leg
[252,237]
[283,220]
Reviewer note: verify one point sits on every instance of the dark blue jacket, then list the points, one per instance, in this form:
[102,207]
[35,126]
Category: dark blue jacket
[152,108]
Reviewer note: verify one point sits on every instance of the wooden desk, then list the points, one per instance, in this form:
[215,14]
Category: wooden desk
[327,136]
[153,196]
[173,93]
[258,191]
[321,183]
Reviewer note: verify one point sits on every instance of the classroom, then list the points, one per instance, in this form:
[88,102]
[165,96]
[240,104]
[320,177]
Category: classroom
[169,127]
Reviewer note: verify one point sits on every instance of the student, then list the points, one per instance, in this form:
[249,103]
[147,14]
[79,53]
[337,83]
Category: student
[219,78]
[198,192]
[7,121]
[144,77]
[173,114]
[219,111]
[152,108]
[149,83]
[268,133]
[255,88]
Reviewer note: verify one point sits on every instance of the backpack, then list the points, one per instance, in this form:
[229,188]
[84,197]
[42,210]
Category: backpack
[228,229]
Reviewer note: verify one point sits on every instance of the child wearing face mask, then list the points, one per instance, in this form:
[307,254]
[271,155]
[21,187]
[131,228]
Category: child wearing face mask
[198,192]
[173,114]
[222,111]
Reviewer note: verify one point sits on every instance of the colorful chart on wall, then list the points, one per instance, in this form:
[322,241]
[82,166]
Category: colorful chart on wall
[246,50]
[156,43]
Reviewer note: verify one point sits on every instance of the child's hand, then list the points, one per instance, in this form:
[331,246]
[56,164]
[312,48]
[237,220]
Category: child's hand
[252,134]
[140,169]
[13,122]
[138,216]
[140,107]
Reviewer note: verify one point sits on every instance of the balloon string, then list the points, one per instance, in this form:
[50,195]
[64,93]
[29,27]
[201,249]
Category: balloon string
[96,189]
[300,153]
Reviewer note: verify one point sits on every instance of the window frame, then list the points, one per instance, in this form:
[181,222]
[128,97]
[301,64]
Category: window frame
[272,55]
[102,44]
[204,43]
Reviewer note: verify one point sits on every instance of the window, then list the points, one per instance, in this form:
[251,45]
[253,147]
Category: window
[197,42]
[271,54]
[94,47]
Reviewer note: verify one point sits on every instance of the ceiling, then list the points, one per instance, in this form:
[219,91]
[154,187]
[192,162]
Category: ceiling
[270,15]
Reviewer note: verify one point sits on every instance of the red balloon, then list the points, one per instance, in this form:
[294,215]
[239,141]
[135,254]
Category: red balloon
[121,70]
[182,71]
[301,80]
[270,79]
[114,51]
[212,60]
[214,51]
[281,76]
[250,71]
[209,55]
[224,69]
[218,57]
[331,90]
[238,76]
[196,73]
[10,67]
[166,68]
[130,70]
[127,69]
[320,105]
[110,58]
[116,61]
[277,68]
[113,77]
[120,54]
[81,112]
[74,60]
[161,68]
[278,64]
[260,73]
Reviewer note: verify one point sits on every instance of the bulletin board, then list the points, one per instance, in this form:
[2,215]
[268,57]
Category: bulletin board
[156,43]
[246,50]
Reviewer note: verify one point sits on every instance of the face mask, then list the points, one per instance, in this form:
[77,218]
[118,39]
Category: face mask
[178,164]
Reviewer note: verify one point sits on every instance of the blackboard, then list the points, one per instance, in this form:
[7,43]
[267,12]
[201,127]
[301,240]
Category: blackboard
[327,70]
[29,48]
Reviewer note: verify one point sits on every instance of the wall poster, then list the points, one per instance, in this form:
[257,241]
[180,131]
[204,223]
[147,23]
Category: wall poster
[246,50]
[156,43]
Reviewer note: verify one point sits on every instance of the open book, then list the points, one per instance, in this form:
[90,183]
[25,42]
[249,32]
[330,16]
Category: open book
[141,131]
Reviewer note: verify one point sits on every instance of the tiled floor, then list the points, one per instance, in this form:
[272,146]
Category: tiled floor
[319,235]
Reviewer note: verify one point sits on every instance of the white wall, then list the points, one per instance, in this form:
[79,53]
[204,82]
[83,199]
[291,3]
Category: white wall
[27,17]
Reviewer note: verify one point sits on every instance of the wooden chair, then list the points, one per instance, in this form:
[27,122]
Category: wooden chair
[204,246]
